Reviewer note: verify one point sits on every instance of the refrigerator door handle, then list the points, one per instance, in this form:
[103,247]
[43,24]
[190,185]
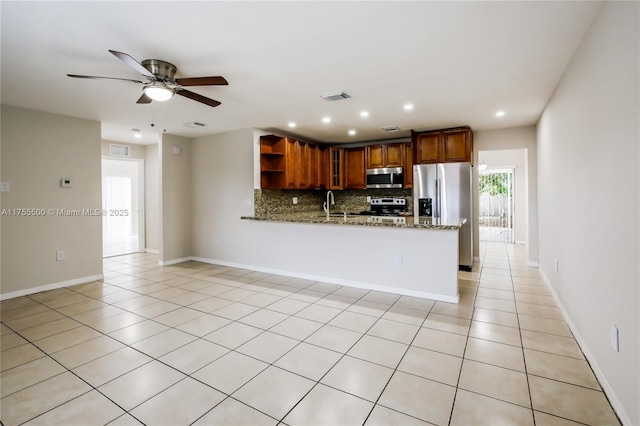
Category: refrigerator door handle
[436,210]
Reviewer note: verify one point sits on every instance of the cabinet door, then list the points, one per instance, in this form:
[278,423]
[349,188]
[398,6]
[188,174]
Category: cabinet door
[311,166]
[375,156]
[336,167]
[456,146]
[354,170]
[291,161]
[395,155]
[302,163]
[408,166]
[322,167]
[427,148]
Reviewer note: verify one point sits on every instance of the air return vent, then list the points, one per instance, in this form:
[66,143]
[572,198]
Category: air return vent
[195,124]
[335,96]
[119,150]
[391,128]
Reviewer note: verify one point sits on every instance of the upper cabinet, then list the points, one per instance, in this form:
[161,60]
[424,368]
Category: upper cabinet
[286,163]
[443,146]
[385,155]
[354,168]
[334,158]
[273,162]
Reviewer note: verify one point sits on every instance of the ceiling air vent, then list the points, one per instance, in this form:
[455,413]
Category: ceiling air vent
[194,124]
[335,96]
[119,150]
[391,128]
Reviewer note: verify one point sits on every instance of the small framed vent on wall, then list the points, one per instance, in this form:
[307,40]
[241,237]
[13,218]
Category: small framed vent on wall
[119,150]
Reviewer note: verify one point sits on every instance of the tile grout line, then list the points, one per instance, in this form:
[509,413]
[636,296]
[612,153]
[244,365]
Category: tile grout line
[466,343]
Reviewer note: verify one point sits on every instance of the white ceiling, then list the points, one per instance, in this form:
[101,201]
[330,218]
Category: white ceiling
[457,62]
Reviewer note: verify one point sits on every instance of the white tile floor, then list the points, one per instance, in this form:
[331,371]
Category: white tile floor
[210,345]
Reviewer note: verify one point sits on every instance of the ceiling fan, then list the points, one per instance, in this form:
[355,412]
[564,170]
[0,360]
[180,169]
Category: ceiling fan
[161,84]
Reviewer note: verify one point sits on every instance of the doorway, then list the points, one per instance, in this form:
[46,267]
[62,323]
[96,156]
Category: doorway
[496,205]
[123,206]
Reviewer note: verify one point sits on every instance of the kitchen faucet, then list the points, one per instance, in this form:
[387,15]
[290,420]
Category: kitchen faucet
[327,206]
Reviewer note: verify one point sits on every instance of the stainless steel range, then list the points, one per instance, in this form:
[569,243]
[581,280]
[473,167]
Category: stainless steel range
[386,207]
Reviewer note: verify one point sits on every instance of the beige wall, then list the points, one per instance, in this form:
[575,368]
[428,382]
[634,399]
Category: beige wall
[511,138]
[39,149]
[152,197]
[222,192]
[175,199]
[588,154]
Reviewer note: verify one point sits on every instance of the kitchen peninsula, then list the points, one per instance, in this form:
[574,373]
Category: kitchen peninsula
[404,255]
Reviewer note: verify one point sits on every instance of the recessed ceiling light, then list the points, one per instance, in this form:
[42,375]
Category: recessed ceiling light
[292,124]
[326,119]
[352,132]
[499,113]
[364,114]
[408,107]
[136,133]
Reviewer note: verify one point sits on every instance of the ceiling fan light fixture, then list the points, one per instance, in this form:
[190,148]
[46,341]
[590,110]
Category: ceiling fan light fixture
[158,91]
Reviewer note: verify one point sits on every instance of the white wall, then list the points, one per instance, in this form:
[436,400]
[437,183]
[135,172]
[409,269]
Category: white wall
[516,158]
[39,149]
[175,199]
[588,184]
[511,138]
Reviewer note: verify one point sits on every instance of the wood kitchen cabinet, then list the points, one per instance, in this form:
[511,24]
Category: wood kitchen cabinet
[286,163]
[407,165]
[272,161]
[336,167]
[385,155]
[355,168]
[443,146]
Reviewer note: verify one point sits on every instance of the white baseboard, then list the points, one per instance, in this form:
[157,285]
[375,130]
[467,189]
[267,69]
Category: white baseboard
[152,251]
[333,280]
[608,390]
[53,286]
[522,243]
[174,261]
[533,264]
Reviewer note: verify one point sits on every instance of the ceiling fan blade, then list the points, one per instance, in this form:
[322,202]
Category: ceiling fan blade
[202,81]
[199,98]
[132,63]
[95,77]
[144,99]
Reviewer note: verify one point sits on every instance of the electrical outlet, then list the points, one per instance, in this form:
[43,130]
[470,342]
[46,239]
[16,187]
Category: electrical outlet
[615,338]
[60,255]
[398,259]
[555,264]
[5,187]
[295,200]
[368,199]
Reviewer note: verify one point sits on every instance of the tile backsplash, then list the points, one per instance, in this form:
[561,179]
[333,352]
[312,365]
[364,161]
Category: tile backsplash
[274,201]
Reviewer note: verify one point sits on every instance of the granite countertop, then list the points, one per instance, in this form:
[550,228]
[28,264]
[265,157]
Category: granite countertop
[319,217]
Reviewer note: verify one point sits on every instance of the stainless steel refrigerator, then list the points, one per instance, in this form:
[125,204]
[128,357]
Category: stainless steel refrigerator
[443,191]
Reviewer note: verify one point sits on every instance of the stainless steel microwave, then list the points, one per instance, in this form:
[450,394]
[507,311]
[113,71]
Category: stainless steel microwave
[387,177]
